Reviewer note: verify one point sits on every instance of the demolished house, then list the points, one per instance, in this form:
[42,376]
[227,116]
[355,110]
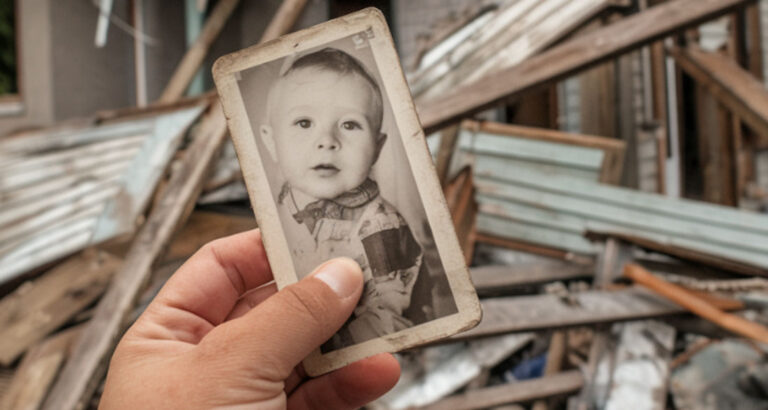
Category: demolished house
[605,164]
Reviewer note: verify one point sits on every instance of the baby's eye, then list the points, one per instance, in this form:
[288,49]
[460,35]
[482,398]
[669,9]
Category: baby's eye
[303,123]
[351,125]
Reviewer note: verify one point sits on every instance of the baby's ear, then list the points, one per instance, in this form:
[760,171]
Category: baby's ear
[269,141]
[379,145]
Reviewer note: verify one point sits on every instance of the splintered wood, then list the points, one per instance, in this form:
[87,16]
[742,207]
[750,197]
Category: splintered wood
[37,371]
[38,308]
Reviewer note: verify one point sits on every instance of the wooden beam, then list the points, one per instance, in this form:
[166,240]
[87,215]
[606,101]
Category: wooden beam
[37,308]
[522,391]
[570,57]
[538,312]
[733,86]
[697,305]
[191,61]
[284,19]
[89,360]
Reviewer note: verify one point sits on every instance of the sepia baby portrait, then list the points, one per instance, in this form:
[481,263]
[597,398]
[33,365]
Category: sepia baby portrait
[323,128]
[336,165]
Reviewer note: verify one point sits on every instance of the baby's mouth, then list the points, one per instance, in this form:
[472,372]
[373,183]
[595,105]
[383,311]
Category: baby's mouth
[325,170]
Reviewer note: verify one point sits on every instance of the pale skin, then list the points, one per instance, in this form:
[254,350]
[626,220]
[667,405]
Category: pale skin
[323,131]
[217,337]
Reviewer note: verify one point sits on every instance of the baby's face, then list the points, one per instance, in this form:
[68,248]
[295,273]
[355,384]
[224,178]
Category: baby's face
[325,138]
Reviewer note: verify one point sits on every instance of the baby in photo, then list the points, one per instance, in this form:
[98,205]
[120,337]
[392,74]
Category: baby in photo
[323,129]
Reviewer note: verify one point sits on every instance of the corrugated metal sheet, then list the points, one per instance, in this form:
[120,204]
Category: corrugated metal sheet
[556,211]
[501,154]
[62,190]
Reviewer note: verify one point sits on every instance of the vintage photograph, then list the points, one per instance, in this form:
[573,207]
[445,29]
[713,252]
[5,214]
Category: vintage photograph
[336,165]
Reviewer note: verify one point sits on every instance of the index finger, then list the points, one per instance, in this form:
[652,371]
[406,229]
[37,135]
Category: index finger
[210,283]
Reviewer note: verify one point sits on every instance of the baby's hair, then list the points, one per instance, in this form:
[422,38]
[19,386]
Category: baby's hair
[337,61]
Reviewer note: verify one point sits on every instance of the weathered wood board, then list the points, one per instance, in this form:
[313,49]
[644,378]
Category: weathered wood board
[37,308]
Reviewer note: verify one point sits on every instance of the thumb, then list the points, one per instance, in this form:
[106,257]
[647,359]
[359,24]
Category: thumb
[285,328]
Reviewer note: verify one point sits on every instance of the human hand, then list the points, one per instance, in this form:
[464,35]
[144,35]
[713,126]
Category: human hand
[214,337]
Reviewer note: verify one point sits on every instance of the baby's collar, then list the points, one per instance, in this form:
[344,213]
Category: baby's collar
[362,195]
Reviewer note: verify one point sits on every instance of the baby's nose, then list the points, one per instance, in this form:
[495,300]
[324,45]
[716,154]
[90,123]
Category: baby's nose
[328,141]
[331,145]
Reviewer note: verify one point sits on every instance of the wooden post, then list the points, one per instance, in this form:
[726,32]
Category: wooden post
[659,81]
[189,64]
[555,356]
[448,139]
[89,359]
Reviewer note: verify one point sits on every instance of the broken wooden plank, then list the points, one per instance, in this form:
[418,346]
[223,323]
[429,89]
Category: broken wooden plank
[195,55]
[37,308]
[527,313]
[571,56]
[696,305]
[37,371]
[88,362]
[516,392]
[495,279]
[733,86]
